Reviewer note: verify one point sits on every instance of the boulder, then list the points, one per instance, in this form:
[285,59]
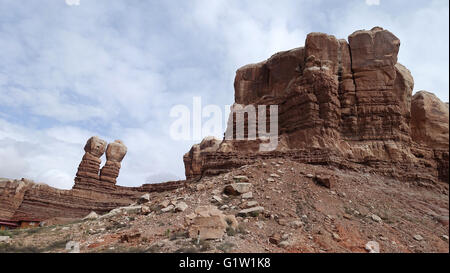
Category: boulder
[237,188]
[144,199]
[180,206]
[251,211]
[372,247]
[91,216]
[210,223]
[326,181]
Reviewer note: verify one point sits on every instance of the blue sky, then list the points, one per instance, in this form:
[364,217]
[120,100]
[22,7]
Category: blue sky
[114,68]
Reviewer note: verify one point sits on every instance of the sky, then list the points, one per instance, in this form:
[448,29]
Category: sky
[71,69]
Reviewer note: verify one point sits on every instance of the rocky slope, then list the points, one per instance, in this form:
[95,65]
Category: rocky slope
[276,206]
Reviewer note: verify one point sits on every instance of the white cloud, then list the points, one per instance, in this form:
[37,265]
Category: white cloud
[73,2]
[373,2]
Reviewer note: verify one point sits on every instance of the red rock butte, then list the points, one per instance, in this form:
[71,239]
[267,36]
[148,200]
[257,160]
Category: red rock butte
[341,103]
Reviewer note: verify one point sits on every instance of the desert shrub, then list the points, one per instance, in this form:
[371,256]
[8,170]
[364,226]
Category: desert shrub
[231,231]
[226,247]
[5,233]
[7,248]
[61,244]
[179,234]
[187,250]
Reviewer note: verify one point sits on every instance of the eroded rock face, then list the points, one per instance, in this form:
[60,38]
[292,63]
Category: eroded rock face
[115,153]
[429,127]
[429,120]
[339,103]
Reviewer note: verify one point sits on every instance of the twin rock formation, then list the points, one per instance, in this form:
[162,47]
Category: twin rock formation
[347,104]
[89,173]
[95,189]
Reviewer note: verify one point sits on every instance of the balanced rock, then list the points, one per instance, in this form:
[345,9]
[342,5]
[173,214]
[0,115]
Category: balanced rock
[89,168]
[115,152]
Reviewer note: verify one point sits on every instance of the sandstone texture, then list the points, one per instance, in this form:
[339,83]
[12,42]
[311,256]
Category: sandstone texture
[344,103]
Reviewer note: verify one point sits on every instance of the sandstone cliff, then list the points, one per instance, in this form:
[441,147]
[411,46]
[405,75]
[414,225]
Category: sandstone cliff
[340,103]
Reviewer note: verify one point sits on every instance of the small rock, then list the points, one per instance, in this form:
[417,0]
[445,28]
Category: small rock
[168,208]
[241,178]
[284,244]
[247,195]
[144,199]
[237,188]
[347,216]
[224,207]
[200,187]
[91,216]
[250,204]
[5,239]
[310,175]
[373,247]
[250,211]
[145,210]
[445,237]
[181,206]
[326,181]
[191,216]
[217,199]
[73,247]
[270,180]
[376,218]
[282,221]
[164,204]
[418,237]
[275,239]
[274,175]
[336,237]
[296,224]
